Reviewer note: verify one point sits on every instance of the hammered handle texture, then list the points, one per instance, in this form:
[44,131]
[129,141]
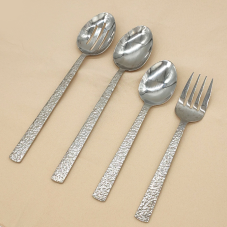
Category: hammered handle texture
[151,196]
[71,155]
[23,146]
[103,189]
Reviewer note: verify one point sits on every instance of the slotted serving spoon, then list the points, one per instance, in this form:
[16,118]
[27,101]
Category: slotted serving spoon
[94,38]
[131,53]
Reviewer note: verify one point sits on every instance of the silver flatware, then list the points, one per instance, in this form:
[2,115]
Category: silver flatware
[187,114]
[94,38]
[156,87]
[131,53]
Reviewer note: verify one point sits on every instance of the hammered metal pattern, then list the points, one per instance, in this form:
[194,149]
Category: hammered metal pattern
[22,147]
[151,196]
[71,155]
[107,181]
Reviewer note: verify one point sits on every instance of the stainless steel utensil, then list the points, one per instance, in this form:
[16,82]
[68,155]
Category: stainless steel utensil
[130,54]
[156,87]
[187,114]
[94,38]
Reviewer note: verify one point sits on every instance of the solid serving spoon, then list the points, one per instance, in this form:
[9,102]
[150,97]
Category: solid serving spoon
[131,53]
[94,38]
[156,87]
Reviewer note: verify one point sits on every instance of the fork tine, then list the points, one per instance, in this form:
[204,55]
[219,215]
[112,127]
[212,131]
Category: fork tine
[193,92]
[196,104]
[207,97]
[185,90]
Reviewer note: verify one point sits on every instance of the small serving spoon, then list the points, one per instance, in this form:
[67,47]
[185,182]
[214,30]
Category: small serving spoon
[131,53]
[156,87]
[94,38]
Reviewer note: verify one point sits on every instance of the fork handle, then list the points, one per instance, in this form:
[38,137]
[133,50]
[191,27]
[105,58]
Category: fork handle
[23,146]
[71,155]
[103,189]
[151,196]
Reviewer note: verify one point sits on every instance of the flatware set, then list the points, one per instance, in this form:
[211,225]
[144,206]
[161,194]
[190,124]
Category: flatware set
[156,88]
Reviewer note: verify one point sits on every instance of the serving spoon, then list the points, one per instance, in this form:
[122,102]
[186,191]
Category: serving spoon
[156,87]
[94,38]
[131,53]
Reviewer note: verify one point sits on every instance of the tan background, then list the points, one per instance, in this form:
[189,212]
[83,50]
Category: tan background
[38,47]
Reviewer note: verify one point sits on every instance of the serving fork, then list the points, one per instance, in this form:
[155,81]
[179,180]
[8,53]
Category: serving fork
[187,113]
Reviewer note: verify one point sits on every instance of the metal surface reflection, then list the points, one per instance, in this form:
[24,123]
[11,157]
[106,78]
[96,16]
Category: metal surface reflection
[158,83]
[133,49]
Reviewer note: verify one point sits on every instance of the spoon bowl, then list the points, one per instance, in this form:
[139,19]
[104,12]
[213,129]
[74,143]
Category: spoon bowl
[158,83]
[97,34]
[134,48]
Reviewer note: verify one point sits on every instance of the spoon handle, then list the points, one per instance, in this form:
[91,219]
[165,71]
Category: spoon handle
[71,155]
[103,189]
[151,196]
[22,147]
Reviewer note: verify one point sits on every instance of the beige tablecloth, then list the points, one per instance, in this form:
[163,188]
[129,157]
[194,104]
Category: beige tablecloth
[38,47]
